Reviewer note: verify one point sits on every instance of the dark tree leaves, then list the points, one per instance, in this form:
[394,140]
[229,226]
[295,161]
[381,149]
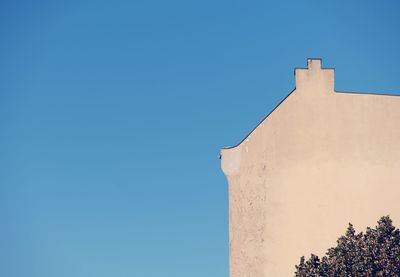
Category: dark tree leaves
[374,253]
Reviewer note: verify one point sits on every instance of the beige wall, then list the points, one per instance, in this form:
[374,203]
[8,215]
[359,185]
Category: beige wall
[322,159]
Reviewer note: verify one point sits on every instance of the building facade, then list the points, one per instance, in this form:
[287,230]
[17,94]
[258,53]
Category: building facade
[319,160]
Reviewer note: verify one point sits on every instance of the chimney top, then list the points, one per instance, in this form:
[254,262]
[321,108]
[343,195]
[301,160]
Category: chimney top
[314,63]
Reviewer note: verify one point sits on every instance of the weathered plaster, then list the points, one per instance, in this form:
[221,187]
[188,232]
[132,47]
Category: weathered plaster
[322,159]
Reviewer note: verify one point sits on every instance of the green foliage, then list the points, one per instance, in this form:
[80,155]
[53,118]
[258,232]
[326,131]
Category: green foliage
[375,253]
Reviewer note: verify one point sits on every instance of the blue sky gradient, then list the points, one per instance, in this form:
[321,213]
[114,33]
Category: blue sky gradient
[112,114]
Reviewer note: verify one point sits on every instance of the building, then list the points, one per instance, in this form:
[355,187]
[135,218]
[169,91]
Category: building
[319,160]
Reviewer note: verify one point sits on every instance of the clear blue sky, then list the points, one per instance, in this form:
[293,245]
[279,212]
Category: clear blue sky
[112,114]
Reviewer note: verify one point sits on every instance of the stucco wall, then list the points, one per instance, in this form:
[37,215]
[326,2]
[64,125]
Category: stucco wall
[322,159]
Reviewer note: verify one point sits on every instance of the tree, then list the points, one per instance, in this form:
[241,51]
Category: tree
[373,253]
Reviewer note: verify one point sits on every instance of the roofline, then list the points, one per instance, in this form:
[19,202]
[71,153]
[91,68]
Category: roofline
[283,100]
[366,93]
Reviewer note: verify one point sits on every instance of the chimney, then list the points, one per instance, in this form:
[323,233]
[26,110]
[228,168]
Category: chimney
[314,77]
